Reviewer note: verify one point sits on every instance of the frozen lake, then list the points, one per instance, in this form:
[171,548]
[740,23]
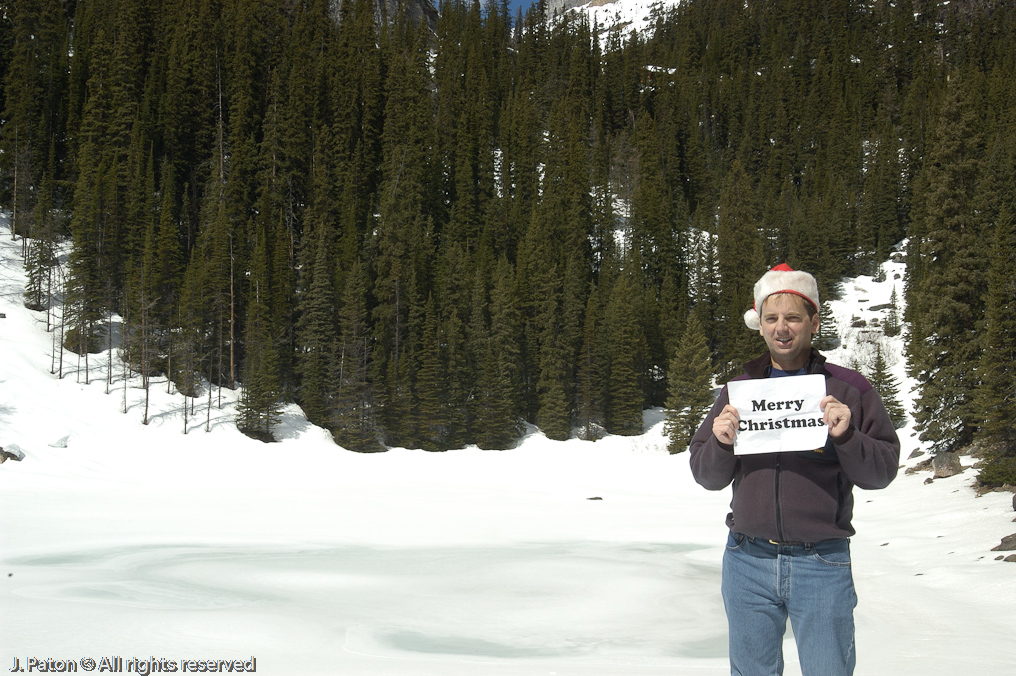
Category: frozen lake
[375,610]
[402,563]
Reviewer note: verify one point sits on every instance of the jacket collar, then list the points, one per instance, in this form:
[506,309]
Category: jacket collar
[763,365]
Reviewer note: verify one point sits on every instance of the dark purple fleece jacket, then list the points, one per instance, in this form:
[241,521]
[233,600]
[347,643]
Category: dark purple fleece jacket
[804,496]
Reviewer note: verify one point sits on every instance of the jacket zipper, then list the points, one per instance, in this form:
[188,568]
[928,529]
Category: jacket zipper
[779,510]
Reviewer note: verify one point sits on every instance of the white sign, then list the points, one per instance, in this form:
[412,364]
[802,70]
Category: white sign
[779,414]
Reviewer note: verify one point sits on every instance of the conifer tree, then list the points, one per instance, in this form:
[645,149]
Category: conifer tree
[316,335]
[33,104]
[739,259]
[498,423]
[828,337]
[627,354]
[590,388]
[454,276]
[42,250]
[403,237]
[169,266]
[998,361]
[945,301]
[354,423]
[892,326]
[259,408]
[430,386]
[888,388]
[689,386]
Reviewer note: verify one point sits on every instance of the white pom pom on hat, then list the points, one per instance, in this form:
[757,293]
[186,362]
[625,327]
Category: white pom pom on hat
[782,279]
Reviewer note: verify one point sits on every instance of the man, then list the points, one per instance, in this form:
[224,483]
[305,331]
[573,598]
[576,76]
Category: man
[788,552]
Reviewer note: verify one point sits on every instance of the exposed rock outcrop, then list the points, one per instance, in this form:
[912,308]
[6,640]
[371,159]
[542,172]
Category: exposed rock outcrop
[1008,544]
[946,465]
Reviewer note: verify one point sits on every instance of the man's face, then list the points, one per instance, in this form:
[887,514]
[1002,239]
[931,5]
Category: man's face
[787,330]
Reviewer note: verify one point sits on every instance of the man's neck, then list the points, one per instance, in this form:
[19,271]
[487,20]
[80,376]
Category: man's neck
[791,367]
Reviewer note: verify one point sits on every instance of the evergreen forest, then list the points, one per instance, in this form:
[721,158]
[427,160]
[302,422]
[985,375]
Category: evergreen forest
[428,232]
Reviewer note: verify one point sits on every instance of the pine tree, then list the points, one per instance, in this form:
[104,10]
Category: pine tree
[259,408]
[33,113]
[402,240]
[431,393]
[998,361]
[689,386]
[739,258]
[880,225]
[892,326]
[316,335]
[354,423]
[169,266]
[42,257]
[627,353]
[591,393]
[888,388]
[828,337]
[946,298]
[499,414]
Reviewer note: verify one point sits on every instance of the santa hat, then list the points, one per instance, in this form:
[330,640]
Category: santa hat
[782,279]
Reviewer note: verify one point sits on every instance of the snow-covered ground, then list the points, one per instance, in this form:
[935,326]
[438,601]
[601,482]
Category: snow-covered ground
[120,539]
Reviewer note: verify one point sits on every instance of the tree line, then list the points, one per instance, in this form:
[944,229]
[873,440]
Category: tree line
[428,234]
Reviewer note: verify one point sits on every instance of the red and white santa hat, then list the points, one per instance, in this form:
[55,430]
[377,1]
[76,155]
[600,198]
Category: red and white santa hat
[782,279]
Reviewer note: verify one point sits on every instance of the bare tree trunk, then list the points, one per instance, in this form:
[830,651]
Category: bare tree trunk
[169,362]
[88,333]
[49,300]
[63,317]
[144,346]
[144,364]
[232,319]
[52,357]
[49,327]
[109,335]
[208,412]
[77,375]
[14,209]
[125,354]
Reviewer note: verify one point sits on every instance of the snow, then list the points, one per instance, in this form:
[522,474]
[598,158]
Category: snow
[131,540]
[625,17]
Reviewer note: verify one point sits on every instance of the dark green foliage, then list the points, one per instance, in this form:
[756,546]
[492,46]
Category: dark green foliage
[430,234]
[626,353]
[499,413]
[42,261]
[259,407]
[828,338]
[740,263]
[353,418]
[996,400]
[887,387]
[946,280]
[690,386]
[33,65]
[317,333]
[591,391]
[999,470]
[893,325]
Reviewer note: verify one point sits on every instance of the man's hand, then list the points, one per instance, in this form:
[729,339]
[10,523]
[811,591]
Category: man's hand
[836,416]
[725,425]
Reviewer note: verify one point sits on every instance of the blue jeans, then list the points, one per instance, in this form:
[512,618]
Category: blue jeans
[764,583]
